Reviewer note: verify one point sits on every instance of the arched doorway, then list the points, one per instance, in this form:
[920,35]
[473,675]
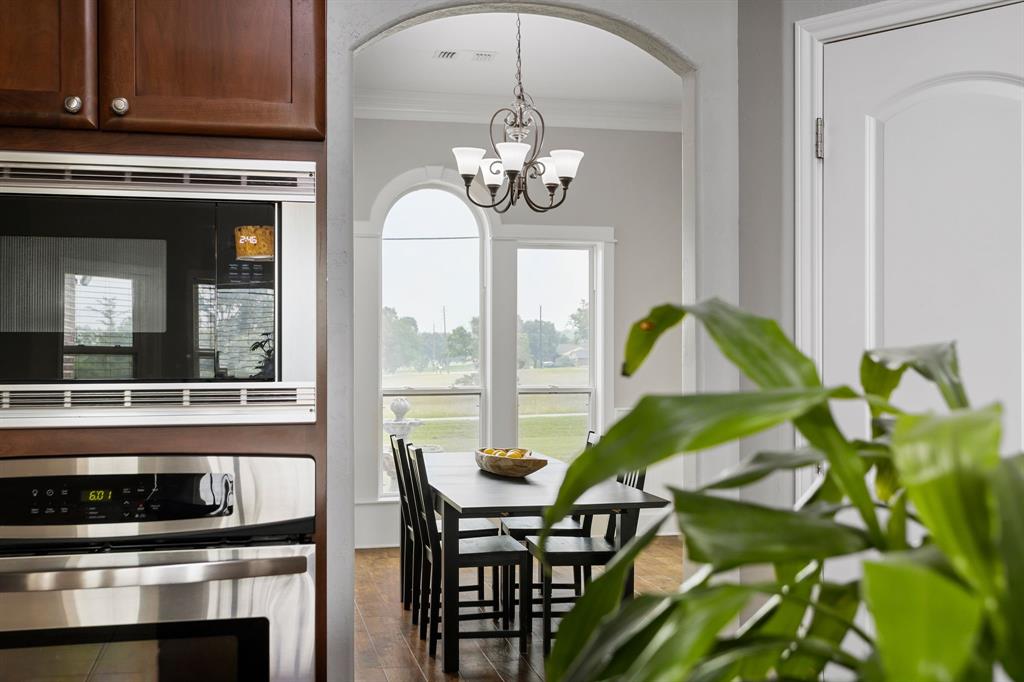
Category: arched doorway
[669,32]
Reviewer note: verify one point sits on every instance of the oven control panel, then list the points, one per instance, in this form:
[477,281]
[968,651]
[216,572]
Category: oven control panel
[116,498]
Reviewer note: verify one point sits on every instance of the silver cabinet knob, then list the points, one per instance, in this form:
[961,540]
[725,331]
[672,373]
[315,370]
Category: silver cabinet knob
[72,104]
[119,105]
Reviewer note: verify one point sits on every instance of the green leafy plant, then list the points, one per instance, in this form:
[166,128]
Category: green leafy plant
[938,529]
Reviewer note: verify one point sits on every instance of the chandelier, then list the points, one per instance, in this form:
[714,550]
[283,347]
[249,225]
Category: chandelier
[514,160]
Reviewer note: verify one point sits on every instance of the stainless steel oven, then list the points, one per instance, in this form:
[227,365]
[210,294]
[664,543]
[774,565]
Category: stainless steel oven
[149,568]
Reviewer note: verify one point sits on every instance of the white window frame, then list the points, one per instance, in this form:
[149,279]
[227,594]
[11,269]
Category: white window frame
[589,389]
[600,242]
[498,391]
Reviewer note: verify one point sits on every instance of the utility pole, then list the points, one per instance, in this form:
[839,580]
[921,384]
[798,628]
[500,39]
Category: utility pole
[540,335]
[444,330]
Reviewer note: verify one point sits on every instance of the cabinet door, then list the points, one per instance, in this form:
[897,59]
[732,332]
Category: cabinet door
[219,67]
[48,58]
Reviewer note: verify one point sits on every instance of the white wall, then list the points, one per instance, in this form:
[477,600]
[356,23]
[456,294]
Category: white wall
[702,33]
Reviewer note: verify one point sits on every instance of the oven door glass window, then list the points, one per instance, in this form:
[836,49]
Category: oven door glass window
[226,651]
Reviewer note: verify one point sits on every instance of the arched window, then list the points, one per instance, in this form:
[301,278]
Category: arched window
[431,383]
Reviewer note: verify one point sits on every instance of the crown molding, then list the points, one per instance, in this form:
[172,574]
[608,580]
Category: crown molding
[398,105]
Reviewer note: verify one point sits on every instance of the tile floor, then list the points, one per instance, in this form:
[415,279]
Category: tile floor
[389,649]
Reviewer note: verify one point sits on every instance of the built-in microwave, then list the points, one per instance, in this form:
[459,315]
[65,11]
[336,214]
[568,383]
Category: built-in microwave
[156,290]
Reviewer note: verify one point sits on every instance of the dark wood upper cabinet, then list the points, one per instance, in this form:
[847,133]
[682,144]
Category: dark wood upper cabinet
[215,67]
[47,59]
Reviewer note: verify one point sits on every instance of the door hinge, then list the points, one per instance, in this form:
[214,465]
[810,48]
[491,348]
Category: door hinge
[819,138]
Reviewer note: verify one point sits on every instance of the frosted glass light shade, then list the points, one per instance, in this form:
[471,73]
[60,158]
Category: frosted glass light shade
[492,178]
[567,162]
[550,174]
[468,159]
[513,155]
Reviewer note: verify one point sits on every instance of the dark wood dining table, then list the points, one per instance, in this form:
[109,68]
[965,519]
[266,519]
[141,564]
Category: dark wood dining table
[461,490]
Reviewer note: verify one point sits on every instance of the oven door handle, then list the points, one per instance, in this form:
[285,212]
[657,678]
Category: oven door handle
[155,574]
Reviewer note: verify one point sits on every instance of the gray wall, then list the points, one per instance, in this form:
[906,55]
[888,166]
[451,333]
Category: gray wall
[629,180]
[766,275]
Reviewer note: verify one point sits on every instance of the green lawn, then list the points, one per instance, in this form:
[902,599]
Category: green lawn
[546,376]
[553,424]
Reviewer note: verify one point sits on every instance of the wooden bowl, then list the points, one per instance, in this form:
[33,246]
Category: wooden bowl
[506,466]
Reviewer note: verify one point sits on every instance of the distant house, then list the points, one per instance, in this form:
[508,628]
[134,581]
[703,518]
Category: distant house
[572,354]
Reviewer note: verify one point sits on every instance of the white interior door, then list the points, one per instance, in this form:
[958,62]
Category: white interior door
[922,223]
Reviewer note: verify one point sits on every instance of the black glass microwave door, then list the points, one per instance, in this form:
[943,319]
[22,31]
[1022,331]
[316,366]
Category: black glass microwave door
[106,289]
[221,650]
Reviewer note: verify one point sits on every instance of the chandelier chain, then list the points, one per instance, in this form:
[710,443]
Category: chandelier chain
[519,57]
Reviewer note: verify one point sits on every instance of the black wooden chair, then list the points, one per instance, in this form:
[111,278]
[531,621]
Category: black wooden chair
[496,551]
[581,553]
[521,527]
[407,537]
[412,554]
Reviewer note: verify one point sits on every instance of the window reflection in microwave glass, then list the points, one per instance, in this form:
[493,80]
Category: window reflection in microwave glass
[119,289]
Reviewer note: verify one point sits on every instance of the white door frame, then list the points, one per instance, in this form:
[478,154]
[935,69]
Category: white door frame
[809,40]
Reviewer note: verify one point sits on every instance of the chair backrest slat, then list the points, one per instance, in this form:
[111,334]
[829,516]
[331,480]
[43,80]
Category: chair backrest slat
[414,507]
[425,499]
[403,496]
[634,479]
[586,521]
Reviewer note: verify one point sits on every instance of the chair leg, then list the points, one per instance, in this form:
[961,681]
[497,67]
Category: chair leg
[425,582]
[403,566]
[587,575]
[508,576]
[546,596]
[495,590]
[480,583]
[577,580]
[435,612]
[525,601]
[418,562]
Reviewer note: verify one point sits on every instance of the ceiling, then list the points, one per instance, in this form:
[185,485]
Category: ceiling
[578,75]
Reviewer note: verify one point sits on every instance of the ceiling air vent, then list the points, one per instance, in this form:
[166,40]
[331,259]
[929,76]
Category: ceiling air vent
[479,56]
[446,55]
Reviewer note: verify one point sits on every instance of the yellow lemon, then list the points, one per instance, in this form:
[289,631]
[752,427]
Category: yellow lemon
[500,453]
[516,454]
[520,451]
[488,451]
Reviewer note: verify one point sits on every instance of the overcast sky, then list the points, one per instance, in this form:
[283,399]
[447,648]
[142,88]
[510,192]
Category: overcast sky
[422,273]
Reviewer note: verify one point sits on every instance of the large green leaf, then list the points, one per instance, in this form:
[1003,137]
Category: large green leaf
[882,369]
[644,333]
[842,601]
[601,598]
[662,426]
[728,533]
[762,464]
[688,634]
[927,626]
[845,464]
[781,616]
[756,345]
[724,663]
[618,641]
[945,462]
[1009,488]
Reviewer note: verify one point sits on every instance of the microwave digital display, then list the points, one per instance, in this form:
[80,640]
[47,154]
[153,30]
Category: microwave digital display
[105,289]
